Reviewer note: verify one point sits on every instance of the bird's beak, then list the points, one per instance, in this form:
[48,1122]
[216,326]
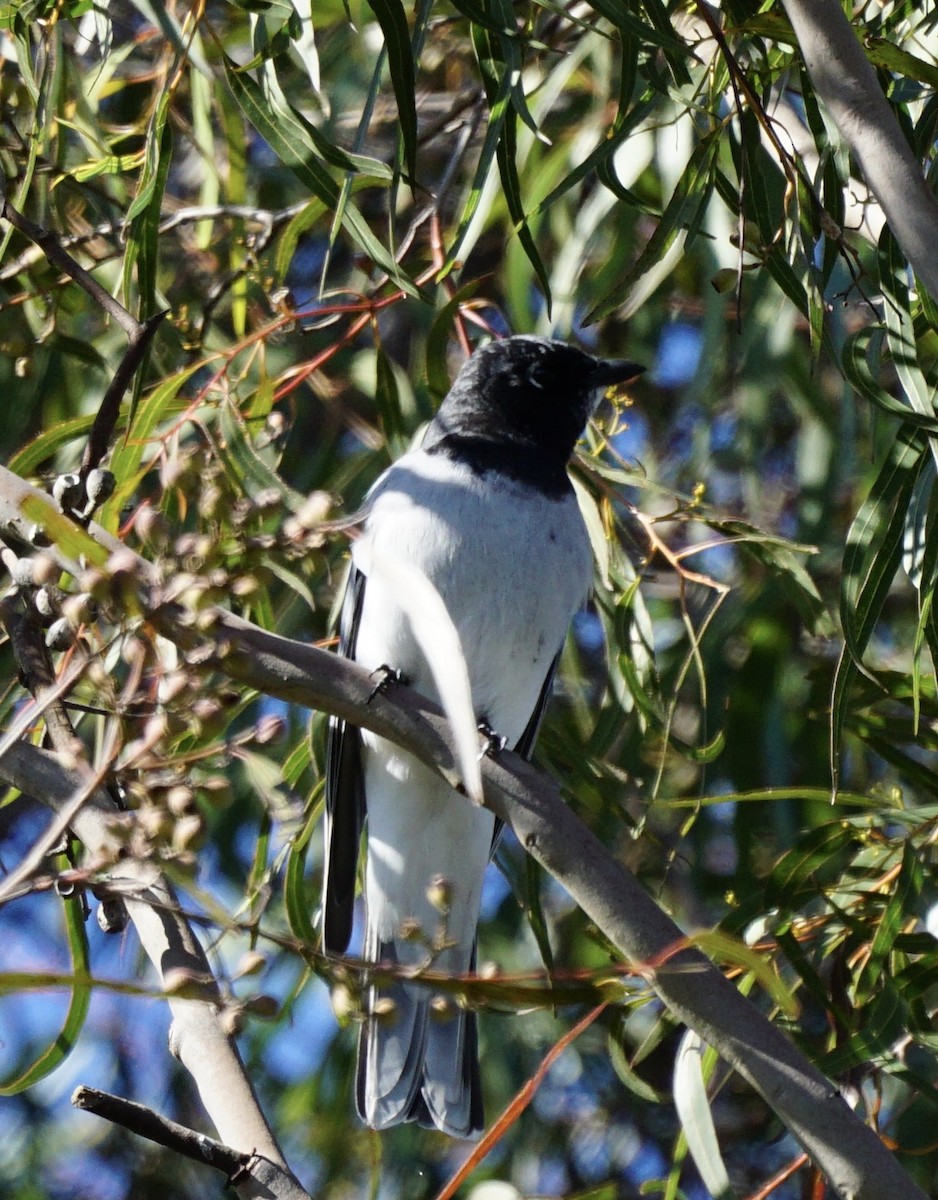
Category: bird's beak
[613,370]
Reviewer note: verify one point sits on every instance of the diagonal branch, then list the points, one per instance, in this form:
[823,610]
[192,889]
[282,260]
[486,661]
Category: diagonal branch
[49,244]
[238,1165]
[845,80]
[139,334]
[854,1158]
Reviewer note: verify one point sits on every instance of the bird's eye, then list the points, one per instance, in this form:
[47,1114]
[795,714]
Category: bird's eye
[538,376]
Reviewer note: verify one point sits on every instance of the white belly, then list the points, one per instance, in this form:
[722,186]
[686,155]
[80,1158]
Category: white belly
[512,568]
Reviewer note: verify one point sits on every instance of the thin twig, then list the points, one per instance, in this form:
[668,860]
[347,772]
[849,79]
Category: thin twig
[140,335]
[518,1104]
[149,1124]
[241,1167]
[51,247]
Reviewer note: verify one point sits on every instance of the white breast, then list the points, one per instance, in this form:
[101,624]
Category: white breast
[511,565]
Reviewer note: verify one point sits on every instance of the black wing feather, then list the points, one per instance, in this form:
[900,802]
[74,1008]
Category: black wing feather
[345,794]
[525,744]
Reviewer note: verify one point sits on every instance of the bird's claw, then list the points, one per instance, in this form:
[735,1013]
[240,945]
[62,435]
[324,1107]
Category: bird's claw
[493,743]
[386,675]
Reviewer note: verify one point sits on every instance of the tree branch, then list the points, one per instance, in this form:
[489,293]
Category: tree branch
[49,244]
[846,82]
[237,1165]
[852,1155]
[197,1037]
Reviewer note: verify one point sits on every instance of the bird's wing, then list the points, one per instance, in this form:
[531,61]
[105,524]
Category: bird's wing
[345,794]
[525,744]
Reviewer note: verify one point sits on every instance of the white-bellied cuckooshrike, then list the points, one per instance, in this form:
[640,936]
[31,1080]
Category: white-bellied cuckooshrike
[486,511]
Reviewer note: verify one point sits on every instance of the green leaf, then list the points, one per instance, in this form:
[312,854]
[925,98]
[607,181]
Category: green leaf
[250,473]
[884,53]
[860,360]
[387,398]
[295,897]
[305,131]
[683,214]
[158,15]
[64,1042]
[494,18]
[770,795]
[156,406]
[497,110]
[304,220]
[144,214]
[760,177]
[290,141]
[71,539]
[871,559]
[782,559]
[800,873]
[500,79]
[592,519]
[675,51]
[874,1044]
[893,274]
[438,339]
[818,988]
[257,872]
[726,949]
[30,458]
[299,759]
[534,910]
[902,902]
[875,540]
[393,22]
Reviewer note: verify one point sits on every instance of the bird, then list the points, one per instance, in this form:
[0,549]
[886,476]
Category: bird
[486,510]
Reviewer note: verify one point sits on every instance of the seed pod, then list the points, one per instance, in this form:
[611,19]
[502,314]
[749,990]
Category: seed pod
[263,1006]
[99,487]
[60,635]
[112,915]
[48,602]
[68,492]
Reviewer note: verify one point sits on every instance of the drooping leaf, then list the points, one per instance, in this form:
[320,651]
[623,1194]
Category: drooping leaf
[64,1042]
[393,22]
[291,142]
[694,1063]
[871,559]
[682,215]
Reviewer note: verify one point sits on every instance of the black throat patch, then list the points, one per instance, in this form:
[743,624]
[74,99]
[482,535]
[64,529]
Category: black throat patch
[526,465]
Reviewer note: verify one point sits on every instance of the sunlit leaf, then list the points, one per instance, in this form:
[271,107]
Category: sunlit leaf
[290,139]
[682,214]
[693,1060]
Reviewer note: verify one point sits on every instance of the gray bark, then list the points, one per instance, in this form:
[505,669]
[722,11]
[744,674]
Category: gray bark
[846,83]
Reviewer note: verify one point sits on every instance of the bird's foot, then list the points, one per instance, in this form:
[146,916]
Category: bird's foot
[493,743]
[385,676]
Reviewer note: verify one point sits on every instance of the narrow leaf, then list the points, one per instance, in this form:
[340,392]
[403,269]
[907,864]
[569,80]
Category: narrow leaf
[290,141]
[693,1110]
[64,1042]
[393,22]
[683,213]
